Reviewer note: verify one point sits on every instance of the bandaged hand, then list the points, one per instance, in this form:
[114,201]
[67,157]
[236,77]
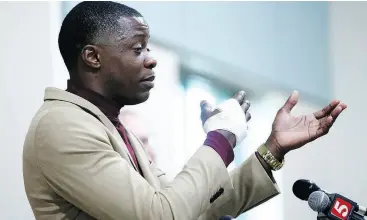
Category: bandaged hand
[229,118]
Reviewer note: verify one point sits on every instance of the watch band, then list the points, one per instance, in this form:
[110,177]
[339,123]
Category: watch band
[269,158]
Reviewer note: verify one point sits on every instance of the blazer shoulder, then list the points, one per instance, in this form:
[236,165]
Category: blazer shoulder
[65,120]
[60,111]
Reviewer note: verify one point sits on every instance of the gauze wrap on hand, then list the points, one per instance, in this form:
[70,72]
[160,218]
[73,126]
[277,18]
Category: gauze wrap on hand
[230,118]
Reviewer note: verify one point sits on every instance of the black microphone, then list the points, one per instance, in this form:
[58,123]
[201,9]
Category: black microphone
[303,188]
[335,206]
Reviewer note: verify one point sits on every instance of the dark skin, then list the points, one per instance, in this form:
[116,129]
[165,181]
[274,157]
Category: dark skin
[292,132]
[119,66]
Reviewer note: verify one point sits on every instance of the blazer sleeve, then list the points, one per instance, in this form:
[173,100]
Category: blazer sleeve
[77,160]
[252,186]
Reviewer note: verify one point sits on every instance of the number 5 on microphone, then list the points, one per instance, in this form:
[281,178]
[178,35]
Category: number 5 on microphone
[341,208]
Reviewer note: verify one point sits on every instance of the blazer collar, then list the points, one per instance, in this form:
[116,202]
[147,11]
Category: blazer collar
[52,93]
[62,95]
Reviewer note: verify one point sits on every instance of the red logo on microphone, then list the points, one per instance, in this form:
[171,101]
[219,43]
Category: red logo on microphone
[341,208]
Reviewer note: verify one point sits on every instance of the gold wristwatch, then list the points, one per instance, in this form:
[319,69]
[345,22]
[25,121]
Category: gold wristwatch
[269,158]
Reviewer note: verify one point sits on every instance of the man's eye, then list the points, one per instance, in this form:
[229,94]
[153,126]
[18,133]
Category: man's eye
[138,49]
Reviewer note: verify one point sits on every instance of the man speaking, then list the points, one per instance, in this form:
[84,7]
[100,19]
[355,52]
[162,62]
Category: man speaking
[79,161]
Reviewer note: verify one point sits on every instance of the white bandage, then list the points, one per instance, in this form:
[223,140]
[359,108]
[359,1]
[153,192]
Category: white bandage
[230,118]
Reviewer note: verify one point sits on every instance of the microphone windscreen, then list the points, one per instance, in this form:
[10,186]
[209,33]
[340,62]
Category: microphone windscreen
[303,188]
[318,201]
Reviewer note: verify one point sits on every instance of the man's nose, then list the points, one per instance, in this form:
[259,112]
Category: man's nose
[150,63]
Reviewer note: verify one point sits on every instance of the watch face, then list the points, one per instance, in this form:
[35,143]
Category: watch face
[270,159]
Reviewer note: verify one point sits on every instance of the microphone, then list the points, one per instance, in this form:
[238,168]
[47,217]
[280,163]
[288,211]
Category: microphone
[335,206]
[303,188]
[319,201]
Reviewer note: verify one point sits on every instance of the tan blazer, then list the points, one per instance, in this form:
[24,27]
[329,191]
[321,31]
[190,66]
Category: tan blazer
[76,166]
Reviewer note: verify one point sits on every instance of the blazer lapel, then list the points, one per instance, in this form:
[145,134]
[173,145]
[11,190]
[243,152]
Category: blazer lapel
[143,159]
[121,146]
[58,94]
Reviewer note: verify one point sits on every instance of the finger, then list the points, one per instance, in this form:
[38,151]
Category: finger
[240,97]
[206,110]
[291,102]
[336,112]
[246,105]
[248,116]
[327,110]
[343,105]
[324,127]
[205,106]
[330,120]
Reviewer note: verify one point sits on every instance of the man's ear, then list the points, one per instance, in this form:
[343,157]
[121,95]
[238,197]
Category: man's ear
[91,56]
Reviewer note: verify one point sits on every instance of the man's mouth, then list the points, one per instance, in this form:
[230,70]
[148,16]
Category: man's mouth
[149,78]
[147,82]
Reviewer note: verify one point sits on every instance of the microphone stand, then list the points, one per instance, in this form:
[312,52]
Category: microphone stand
[355,216]
[322,216]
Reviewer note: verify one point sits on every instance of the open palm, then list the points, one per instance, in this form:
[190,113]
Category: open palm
[291,132]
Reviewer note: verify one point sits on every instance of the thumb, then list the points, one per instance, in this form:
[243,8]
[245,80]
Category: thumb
[206,110]
[205,106]
[291,102]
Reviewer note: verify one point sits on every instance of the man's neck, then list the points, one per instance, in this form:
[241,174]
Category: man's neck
[107,106]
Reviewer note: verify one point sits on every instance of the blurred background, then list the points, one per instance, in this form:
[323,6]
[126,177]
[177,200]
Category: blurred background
[209,50]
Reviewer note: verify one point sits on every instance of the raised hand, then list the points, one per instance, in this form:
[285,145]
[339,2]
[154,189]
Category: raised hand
[291,132]
[207,112]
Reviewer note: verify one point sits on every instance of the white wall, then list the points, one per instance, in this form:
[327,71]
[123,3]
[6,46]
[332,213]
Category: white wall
[337,161]
[349,64]
[25,70]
